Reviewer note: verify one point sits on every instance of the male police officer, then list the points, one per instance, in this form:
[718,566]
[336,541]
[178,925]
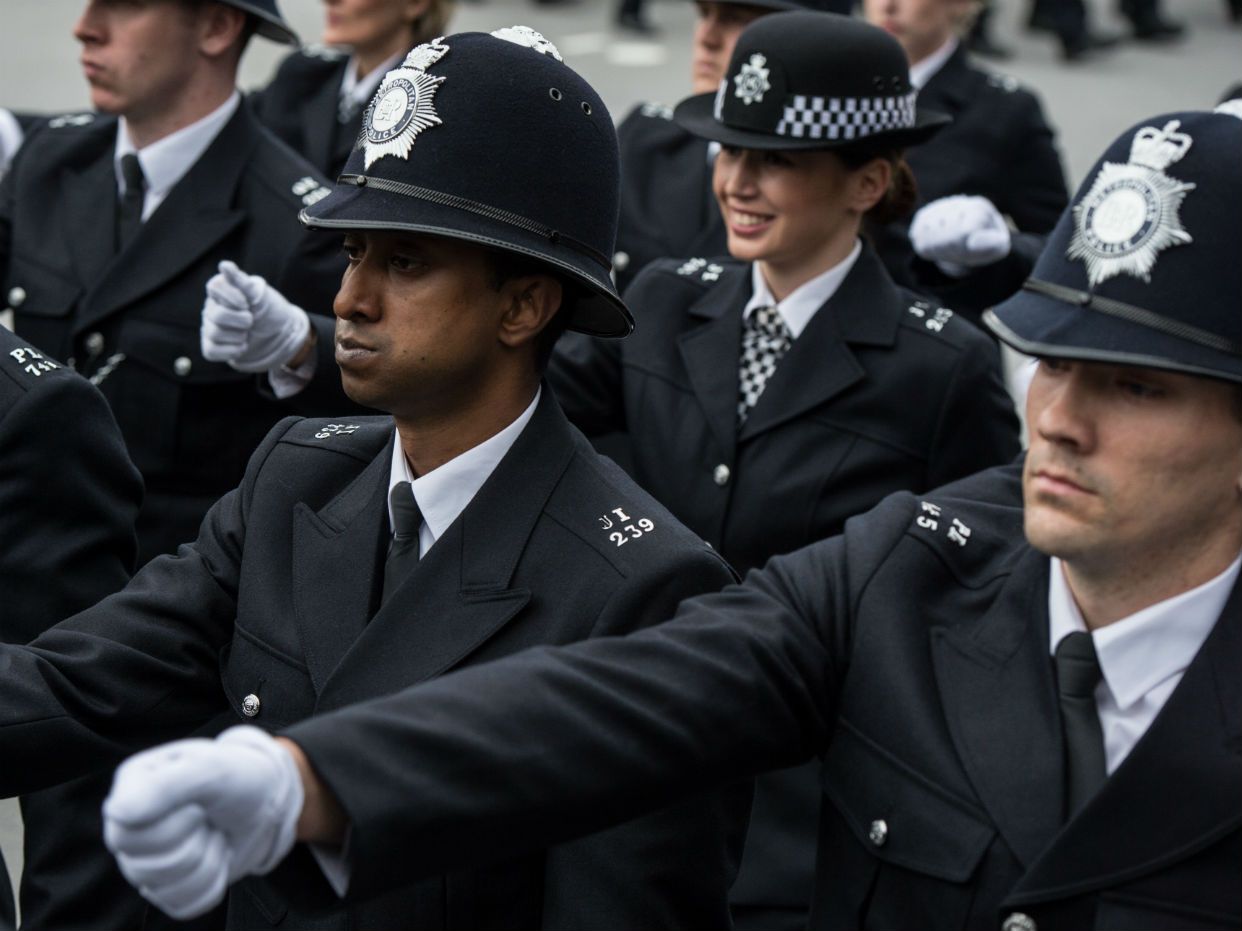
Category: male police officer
[471,244]
[68,497]
[109,229]
[1024,686]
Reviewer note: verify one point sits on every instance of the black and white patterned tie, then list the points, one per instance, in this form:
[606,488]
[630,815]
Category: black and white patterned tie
[765,338]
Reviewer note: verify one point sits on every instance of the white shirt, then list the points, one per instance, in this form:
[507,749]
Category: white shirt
[1142,656]
[166,161]
[357,91]
[443,493]
[800,305]
[923,71]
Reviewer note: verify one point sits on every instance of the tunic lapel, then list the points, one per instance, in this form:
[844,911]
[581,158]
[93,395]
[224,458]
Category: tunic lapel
[319,122]
[999,699]
[198,212]
[461,594]
[1178,791]
[819,365]
[710,352]
[90,214]
[337,555]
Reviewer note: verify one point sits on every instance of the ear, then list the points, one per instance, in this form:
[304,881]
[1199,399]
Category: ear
[869,183]
[530,302]
[414,10]
[220,28]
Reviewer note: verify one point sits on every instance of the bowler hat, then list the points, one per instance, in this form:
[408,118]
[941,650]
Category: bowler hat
[493,139]
[268,21]
[1143,268]
[804,80]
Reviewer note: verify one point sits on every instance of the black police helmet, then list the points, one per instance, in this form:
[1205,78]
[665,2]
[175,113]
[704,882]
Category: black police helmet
[803,80]
[1143,268]
[268,21]
[493,139]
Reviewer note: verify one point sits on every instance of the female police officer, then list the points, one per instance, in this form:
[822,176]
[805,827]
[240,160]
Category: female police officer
[772,396]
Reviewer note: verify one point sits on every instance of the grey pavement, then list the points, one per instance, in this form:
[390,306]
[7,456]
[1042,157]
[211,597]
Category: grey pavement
[1090,103]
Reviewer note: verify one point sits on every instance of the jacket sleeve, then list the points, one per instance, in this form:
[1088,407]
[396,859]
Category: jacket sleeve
[68,499]
[553,743]
[672,868]
[1035,203]
[140,667]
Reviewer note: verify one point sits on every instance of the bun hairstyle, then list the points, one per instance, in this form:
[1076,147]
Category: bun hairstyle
[902,195]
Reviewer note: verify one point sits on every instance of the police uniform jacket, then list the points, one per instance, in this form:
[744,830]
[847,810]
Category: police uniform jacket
[130,321]
[911,655]
[68,497]
[300,106]
[271,617]
[999,146]
[667,205]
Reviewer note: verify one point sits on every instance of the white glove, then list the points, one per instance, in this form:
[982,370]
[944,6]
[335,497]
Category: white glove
[959,233]
[189,818]
[248,323]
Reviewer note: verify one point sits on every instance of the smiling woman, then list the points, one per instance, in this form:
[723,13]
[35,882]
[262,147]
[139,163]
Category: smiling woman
[772,395]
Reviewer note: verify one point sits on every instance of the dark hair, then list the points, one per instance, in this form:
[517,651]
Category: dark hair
[505,266]
[902,195]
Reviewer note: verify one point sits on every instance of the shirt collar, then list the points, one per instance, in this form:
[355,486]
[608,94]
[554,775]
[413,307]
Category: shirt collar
[443,493]
[925,70]
[1139,652]
[359,90]
[800,305]
[166,161]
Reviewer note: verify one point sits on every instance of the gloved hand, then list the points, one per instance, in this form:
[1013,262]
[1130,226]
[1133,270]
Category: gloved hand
[248,323]
[959,233]
[187,819]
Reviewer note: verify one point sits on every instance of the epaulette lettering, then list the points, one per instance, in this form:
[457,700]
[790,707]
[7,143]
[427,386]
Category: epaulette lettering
[70,119]
[32,362]
[930,519]
[933,318]
[621,528]
[1006,82]
[310,190]
[322,52]
[707,271]
[656,111]
[336,429]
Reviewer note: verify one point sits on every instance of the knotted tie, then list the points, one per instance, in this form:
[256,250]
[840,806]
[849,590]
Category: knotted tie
[765,338]
[1078,673]
[403,551]
[129,207]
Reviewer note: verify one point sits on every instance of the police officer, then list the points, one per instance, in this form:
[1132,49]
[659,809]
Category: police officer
[995,167]
[316,98]
[667,207]
[110,226]
[356,559]
[771,396]
[68,497]
[1023,686]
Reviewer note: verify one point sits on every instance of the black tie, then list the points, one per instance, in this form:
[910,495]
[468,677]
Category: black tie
[1078,673]
[129,209]
[403,551]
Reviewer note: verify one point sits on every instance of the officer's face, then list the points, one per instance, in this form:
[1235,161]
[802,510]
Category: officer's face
[137,55]
[921,26]
[715,33]
[1129,467]
[795,211]
[418,321]
[362,24]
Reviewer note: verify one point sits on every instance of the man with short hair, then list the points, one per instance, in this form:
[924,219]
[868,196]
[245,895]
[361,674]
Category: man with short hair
[111,224]
[1024,686]
[362,555]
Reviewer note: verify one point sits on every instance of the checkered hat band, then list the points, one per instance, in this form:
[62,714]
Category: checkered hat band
[845,117]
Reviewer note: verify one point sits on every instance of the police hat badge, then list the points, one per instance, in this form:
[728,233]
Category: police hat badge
[1142,269]
[493,139]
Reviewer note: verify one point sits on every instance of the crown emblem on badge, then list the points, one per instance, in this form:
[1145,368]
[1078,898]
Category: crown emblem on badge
[404,104]
[524,35]
[1131,213]
[751,83]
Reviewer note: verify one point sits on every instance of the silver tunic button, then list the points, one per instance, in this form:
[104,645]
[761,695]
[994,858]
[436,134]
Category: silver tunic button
[250,705]
[95,343]
[720,475]
[1019,922]
[621,261]
[17,296]
[182,365]
[878,832]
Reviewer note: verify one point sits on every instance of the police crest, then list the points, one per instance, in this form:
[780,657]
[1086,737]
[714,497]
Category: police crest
[751,83]
[1130,215]
[404,104]
[524,35]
